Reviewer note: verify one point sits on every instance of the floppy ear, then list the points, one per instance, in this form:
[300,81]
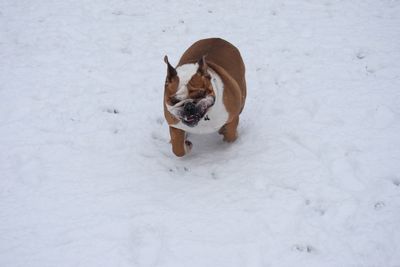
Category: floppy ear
[171,72]
[202,70]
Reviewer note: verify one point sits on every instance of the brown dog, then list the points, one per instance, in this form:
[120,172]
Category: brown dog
[205,93]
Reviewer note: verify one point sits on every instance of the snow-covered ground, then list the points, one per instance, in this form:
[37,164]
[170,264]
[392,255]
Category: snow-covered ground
[87,176]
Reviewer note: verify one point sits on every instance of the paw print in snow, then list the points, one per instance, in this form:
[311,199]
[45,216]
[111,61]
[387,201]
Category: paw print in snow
[304,248]
[318,208]
[361,55]
[111,110]
[379,205]
[396,182]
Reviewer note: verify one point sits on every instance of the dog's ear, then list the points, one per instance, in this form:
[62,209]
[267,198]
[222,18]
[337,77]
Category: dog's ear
[171,72]
[202,70]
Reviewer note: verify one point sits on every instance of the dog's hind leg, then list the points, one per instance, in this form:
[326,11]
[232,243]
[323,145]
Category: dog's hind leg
[229,130]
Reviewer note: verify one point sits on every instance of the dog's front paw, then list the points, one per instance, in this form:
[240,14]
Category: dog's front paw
[181,151]
[230,138]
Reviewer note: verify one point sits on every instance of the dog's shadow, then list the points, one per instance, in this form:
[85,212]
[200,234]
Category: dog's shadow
[210,147]
[208,144]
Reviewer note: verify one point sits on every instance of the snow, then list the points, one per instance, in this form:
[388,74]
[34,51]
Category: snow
[87,176]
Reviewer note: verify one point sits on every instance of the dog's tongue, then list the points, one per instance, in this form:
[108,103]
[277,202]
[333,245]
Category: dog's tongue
[190,118]
[191,121]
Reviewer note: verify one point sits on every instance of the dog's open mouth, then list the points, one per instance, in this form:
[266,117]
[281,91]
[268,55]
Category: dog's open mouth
[191,120]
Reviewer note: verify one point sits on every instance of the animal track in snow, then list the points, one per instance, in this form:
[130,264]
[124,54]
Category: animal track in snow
[111,110]
[304,248]
[396,182]
[317,207]
[379,205]
[361,55]
[178,169]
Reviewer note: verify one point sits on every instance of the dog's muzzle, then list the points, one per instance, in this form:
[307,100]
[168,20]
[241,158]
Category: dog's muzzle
[193,112]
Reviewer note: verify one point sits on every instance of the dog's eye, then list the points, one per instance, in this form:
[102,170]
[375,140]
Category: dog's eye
[199,93]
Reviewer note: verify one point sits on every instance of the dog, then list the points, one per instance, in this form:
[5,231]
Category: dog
[204,93]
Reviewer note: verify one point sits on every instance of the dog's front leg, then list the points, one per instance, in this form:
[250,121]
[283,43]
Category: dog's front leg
[180,146]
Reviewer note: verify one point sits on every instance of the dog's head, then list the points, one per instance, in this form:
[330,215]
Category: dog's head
[188,91]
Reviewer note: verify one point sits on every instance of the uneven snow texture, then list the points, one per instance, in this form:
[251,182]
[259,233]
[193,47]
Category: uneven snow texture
[87,176]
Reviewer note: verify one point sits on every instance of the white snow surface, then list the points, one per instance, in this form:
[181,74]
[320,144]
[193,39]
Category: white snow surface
[87,176]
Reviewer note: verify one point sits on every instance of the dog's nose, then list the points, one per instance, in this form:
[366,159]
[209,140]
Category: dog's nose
[189,108]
